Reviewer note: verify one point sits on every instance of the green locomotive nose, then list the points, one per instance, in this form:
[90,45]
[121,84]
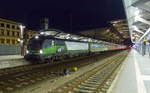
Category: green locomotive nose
[34,46]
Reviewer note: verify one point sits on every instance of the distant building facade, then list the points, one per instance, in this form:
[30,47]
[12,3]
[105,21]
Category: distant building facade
[9,32]
[31,33]
[117,32]
[105,34]
[121,26]
[9,35]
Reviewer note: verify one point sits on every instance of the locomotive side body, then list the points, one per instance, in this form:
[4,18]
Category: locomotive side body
[76,48]
[97,47]
[46,48]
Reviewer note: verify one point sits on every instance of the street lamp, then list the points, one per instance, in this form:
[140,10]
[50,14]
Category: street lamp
[22,27]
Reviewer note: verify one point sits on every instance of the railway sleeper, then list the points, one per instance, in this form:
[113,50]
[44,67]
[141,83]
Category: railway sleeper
[91,83]
[76,90]
[87,87]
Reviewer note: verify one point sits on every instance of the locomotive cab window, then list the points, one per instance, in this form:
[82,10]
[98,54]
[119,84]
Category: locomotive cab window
[59,42]
[34,44]
[47,43]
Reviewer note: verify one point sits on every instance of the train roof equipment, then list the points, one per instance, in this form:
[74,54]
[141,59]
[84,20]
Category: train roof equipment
[56,33]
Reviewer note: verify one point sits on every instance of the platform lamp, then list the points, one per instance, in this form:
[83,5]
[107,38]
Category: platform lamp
[22,27]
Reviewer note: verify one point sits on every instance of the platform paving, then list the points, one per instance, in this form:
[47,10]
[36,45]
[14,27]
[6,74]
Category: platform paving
[134,76]
[8,61]
[7,57]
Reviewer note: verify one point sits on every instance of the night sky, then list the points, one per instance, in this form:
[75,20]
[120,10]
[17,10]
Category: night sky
[85,14]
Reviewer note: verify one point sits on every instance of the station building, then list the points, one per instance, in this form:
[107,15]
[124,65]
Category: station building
[9,32]
[121,27]
[30,33]
[9,35]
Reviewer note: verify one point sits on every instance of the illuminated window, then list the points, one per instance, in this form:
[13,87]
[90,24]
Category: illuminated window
[8,26]
[13,42]
[8,41]
[13,27]
[17,34]
[8,33]
[2,31]
[2,25]
[2,41]
[13,33]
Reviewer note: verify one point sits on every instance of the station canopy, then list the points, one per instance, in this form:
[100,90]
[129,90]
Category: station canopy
[138,16]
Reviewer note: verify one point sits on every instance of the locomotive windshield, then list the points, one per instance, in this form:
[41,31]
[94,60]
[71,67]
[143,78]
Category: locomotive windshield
[34,44]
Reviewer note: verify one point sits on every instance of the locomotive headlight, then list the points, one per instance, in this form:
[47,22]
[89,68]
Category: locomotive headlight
[41,52]
[27,51]
[36,37]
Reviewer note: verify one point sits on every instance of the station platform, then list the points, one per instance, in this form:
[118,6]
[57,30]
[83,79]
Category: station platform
[7,57]
[8,61]
[134,76]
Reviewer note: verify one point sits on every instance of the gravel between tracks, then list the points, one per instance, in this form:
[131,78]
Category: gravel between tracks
[94,78]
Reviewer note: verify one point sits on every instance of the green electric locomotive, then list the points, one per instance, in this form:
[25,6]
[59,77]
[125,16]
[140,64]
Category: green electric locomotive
[46,48]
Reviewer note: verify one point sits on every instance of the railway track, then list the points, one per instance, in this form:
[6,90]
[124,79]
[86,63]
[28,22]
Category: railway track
[96,80]
[8,71]
[25,76]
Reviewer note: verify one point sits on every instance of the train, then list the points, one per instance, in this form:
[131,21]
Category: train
[47,48]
